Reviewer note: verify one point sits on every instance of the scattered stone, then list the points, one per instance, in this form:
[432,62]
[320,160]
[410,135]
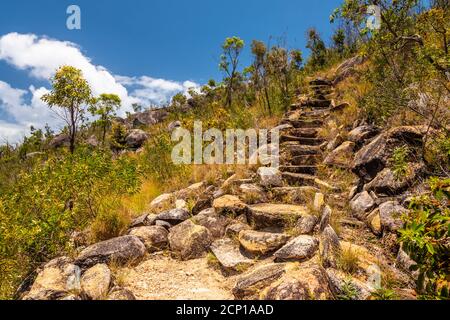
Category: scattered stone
[164,224]
[136,139]
[301,248]
[95,282]
[269,215]
[319,201]
[163,201]
[180,204]
[340,283]
[212,221]
[205,201]
[174,216]
[139,221]
[329,247]
[270,177]
[342,156]
[121,250]
[325,219]
[361,204]
[249,285]
[234,228]
[352,193]
[229,255]
[374,222]
[306,224]
[336,142]
[154,237]
[189,240]
[252,192]
[304,194]
[55,280]
[258,242]
[404,262]
[229,204]
[118,293]
[299,283]
[390,215]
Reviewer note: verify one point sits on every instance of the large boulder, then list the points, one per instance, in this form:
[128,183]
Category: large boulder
[55,280]
[386,182]
[229,256]
[189,241]
[308,282]
[269,215]
[361,204]
[155,238]
[301,248]
[60,140]
[249,285]
[390,215]
[342,156]
[373,158]
[121,250]
[257,242]
[96,281]
[212,221]
[230,205]
[136,139]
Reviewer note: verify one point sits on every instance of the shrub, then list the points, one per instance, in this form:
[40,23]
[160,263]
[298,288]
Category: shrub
[426,238]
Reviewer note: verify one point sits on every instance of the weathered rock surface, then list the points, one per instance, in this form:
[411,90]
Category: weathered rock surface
[340,283]
[136,138]
[155,238]
[361,204]
[329,247]
[118,293]
[257,242]
[121,250]
[174,216]
[212,221]
[342,156]
[374,222]
[234,228]
[96,281]
[269,215]
[270,177]
[390,215]
[163,201]
[249,285]
[189,240]
[361,134]
[252,192]
[300,248]
[229,204]
[229,256]
[306,224]
[55,280]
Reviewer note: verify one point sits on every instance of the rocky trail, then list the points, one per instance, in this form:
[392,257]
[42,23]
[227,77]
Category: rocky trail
[275,234]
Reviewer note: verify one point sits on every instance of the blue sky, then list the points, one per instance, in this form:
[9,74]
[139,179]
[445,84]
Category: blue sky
[143,50]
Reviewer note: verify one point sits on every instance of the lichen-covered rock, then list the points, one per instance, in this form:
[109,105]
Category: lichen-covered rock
[252,193]
[390,215]
[96,281]
[174,216]
[118,293]
[249,285]
[270,177]
[303,194]
[325,218]
[361,204]
[121,250]
[214,222]
[229,204]
[300,248]
[306,224]
[386,182]
[189,241]
[305,282]
[257,242]
[319,201]
[374,222]
[346,287]
[136,138]
[270,215]
[155,238]
[55,280]
[330,247]
[229,256]
[363,133]
[235,227]
[163,201]
[342,156]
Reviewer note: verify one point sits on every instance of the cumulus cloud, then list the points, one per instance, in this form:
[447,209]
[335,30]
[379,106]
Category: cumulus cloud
[42,56]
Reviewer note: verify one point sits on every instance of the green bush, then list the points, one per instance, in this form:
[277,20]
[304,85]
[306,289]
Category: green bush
[426,238]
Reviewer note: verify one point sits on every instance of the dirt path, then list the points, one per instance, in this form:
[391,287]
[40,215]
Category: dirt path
[163,278]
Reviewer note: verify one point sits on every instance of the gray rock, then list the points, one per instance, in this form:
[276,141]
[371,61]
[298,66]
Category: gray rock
[164,224]
[361,204]
[265,215]
[301,248]
[249,285]
[234,228]
[189,241]
[155,238]
[95,282]
[257,242]
[214,222]
[342,156]
[325,219]
[340,283]
[174,216]
[229,255]
[118,293]
[270,177]
[390,215]
[404,262]
[136,139]
[121,250]
[306,224]
[363,133]
[330,247]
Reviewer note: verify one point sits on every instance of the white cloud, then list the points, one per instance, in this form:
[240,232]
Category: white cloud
[42,56]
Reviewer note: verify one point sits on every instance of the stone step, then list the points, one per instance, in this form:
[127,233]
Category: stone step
[319,103]
[304,169]
[321,113]
[314,124]
[321,82]
[300,150]
[265,215]
[304,132]
[302,140]
[305,160]
[299,179]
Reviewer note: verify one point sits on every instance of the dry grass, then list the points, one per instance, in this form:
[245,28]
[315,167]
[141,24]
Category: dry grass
[348,261]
